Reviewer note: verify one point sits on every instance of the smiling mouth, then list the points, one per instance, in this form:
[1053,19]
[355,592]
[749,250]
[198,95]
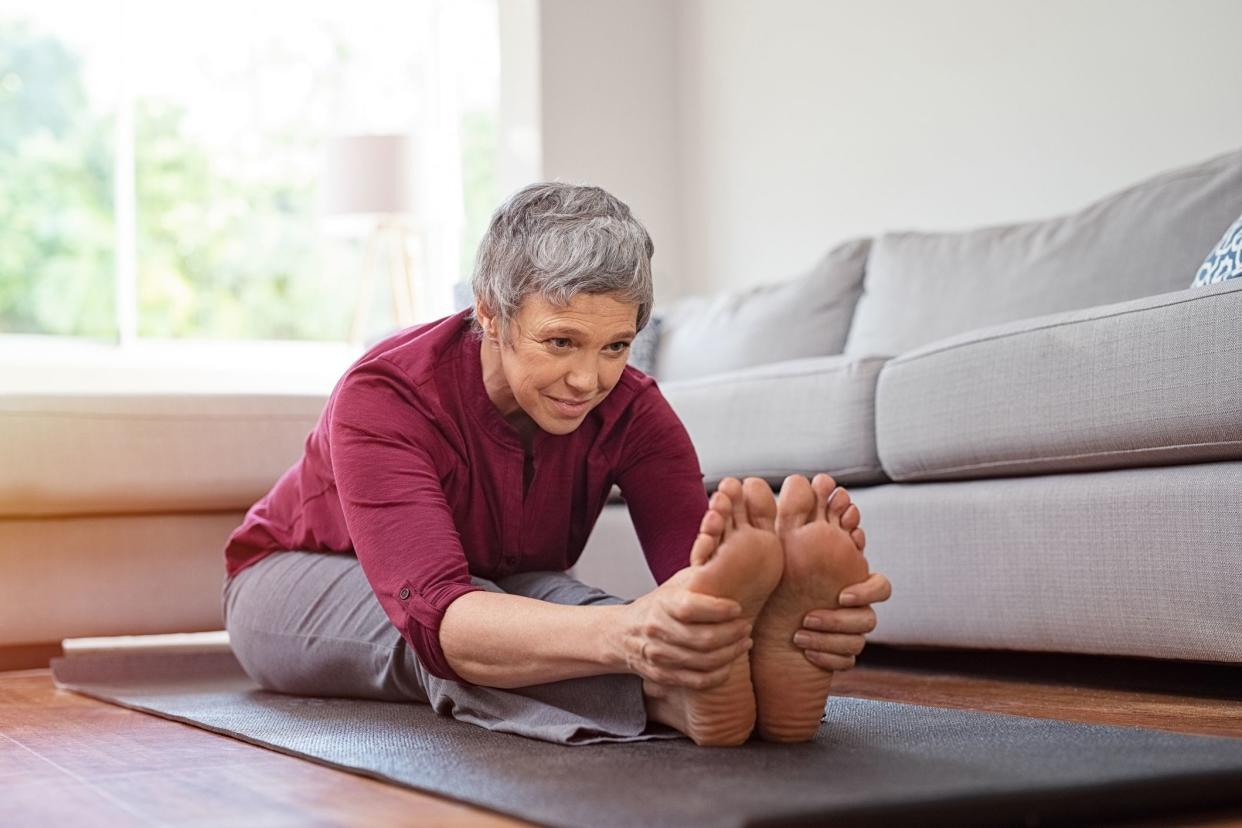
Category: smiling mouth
[569,408]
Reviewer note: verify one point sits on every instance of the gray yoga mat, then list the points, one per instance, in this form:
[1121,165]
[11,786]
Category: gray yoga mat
[872,763]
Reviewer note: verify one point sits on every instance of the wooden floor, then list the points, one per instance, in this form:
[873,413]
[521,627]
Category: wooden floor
[69,759]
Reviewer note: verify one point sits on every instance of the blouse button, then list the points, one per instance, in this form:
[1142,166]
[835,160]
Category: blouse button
[404,593]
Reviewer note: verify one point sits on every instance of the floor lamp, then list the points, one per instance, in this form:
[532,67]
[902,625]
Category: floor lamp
[371,178]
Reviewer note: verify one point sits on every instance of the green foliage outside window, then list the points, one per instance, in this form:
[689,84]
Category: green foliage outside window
[56,233]
[227,246]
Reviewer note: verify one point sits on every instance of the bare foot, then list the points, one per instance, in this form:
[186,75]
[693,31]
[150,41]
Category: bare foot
[823,555]
[737,555]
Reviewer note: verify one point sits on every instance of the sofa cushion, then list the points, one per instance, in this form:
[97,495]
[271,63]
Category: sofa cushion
[1225,260]
[1145,240]
[79,454]
[1154,380]
[801,317]
[800,416]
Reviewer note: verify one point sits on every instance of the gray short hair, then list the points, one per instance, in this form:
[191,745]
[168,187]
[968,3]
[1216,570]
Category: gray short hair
[560,240]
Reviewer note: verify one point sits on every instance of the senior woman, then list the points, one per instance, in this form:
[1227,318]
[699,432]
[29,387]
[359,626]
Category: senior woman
[417,550]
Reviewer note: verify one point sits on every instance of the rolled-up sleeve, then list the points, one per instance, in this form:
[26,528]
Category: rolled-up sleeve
[662,482]
[383,462]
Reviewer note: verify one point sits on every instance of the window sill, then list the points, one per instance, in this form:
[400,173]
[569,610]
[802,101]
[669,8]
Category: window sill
[51,364]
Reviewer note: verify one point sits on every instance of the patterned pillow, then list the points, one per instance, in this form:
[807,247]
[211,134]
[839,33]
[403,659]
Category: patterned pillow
[1225,260]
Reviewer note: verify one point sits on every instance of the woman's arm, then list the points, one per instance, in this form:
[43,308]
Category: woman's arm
[507,641]
[398,519]
[662,482]
[500,640]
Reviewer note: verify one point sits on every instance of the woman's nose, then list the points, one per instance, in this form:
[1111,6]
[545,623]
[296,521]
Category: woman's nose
[583,378]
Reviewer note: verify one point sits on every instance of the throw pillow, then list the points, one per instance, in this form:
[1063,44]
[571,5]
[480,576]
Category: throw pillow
[643,347]
[1141,241]
[805,316]
[1225,260]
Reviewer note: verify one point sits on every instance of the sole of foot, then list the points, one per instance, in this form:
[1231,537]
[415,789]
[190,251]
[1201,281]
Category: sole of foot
[736,555]
[818,527]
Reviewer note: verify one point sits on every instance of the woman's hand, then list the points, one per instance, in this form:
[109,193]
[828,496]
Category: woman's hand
[833,638]
[673,636]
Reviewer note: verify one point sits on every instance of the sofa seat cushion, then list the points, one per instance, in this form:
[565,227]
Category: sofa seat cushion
[1151,381]
[800,416]
[1129,562]
[84,454]
[1145,240]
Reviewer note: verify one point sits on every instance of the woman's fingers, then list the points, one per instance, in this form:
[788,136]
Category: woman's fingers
[670,656]
[854,620]
[830,643]
[703,637]
[697,608]
[871,591]
[685,638]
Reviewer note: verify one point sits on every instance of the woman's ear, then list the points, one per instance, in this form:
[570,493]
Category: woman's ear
[487,321]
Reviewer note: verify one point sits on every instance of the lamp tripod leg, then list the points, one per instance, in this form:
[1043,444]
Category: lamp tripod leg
[402,301]
[362,305]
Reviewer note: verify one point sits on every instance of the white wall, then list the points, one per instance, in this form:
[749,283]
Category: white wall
[809,121]
[752,135]
[609,112]
[521,145]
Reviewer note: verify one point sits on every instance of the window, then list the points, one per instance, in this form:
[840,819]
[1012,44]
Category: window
[160,162]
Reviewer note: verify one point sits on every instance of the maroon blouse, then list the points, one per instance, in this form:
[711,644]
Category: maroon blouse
[412,468]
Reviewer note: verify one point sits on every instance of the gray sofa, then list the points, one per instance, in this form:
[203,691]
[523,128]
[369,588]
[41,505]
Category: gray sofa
[1041,422]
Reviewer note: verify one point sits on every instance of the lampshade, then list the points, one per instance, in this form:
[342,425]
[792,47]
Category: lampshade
[369,175]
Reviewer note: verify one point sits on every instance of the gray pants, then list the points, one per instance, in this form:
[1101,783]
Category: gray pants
[308,623]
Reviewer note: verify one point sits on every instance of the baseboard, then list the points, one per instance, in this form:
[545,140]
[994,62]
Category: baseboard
[29,656]
[1205,679]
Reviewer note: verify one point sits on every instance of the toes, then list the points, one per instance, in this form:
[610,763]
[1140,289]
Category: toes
[851,518]
[860,539]
[711,529]
[796,504]
[760,504]
[823,485]
[838,502]
[732,487]
[716,516]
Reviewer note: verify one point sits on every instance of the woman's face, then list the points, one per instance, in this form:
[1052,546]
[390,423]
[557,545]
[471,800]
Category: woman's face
[560,362]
